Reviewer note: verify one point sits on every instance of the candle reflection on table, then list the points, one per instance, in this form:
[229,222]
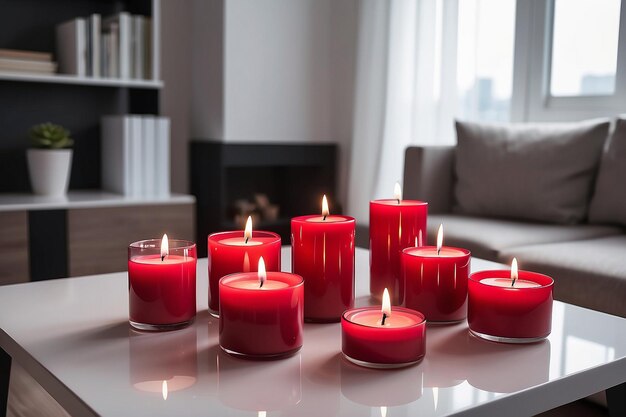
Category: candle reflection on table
[163,363]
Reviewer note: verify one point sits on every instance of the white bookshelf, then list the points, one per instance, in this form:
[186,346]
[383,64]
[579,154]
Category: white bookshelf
[73,79]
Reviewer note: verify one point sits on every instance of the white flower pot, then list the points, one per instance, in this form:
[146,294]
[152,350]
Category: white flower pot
[49,171]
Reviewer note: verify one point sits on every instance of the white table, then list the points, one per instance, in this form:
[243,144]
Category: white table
[72,336]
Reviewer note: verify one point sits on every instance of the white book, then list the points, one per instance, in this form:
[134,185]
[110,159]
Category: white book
[149,154]
[163,157]
[147,56]
[136,156]
[114,50]
[120,27]
[105,41]
[116,154]
[71,47]
[138,40]
[94,37]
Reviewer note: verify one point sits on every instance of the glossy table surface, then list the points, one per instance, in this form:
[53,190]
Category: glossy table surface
[72,336]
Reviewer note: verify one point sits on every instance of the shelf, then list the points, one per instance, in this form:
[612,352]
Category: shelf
[84,199]
[73,79]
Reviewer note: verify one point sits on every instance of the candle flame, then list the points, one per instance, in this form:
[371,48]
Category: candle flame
[439,238]
[383,411]
[247,234]
[261,272]
[386,308]
[514,272]
[261,413]
[165,247]
[164,389]
[397,192]
[325,210]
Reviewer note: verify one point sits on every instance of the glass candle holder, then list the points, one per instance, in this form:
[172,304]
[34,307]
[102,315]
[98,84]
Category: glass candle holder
[161,290]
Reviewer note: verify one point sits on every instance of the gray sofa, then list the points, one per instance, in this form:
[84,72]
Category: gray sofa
[587,261]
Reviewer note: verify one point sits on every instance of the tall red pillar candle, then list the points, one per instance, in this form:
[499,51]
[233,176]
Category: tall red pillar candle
[395,224]
[261,315]
[383,338]
[322,252]
[231,252]
[161,283]
[510,306]
[436,280]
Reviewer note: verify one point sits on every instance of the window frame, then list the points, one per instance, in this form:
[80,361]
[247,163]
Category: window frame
[531,98]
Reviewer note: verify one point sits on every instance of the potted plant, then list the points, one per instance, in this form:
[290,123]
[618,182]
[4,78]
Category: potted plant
[50,159]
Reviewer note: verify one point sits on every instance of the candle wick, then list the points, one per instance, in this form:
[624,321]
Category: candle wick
[398,200]
[324,217]
[438,251]
[382,323]
[246,241]
[513,282]
[162,258]
[261,284]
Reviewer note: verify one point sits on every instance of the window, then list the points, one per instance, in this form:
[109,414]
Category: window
[584,47]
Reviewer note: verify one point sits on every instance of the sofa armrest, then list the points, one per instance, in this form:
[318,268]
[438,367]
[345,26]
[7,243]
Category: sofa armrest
[429,176]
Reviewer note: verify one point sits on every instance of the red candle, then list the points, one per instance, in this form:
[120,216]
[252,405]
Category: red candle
[231,252]
[383,338]
[161,284]
[322,249]
[261,314]
[394,225]
[436,280]
[513,307]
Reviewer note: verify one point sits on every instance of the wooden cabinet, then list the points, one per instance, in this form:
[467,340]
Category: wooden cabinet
[14,264]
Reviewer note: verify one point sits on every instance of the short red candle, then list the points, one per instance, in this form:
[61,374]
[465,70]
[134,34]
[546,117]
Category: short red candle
[375,339]
[393,226]
[436,282]
[228,253]
[262,321]
[322,252]
[162,291]
[504,313]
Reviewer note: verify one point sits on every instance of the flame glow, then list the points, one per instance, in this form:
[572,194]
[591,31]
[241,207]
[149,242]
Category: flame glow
[386,309]
[165,247]
[261,413]
[247,234]
[439,238]
[164,390]
[514,272]
[261,272]
[397,192]
[325,210]
[383,411]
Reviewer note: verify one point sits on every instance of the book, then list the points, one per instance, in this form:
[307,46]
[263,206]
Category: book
[94,44]
[163,157]
[20,65]
[138,47]
[116,154]
[25,55]
[149,155]
[119,26]
[136,156]
[71,47]
[147,56]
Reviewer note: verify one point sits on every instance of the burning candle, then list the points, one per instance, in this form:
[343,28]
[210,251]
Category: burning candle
[231,252]
[395,224]
[436,280]
[510,306]
[161,283]
[261,313]
[383,337]
[323,254]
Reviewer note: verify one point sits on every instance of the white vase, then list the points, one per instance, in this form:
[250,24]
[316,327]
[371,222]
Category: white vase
[49,171]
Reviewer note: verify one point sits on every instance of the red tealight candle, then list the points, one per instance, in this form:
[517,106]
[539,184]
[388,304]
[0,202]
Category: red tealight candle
[323,254]
[395,224]
[436,280]
[231,252]
[383,338]
[261,314]
[161,283]
[511,307]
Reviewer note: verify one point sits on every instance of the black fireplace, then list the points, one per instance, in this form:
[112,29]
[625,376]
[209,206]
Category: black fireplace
[278,182]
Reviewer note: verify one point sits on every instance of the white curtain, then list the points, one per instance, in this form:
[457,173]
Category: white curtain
[405,91]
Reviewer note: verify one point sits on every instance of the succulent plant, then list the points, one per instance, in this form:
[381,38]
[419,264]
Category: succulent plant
[50,136]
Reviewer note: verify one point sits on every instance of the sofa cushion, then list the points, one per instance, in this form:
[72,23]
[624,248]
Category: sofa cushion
[609,200]
[541,172]
[588,273]
[486,238]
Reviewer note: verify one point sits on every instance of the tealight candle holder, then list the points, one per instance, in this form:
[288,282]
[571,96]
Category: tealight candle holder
[383,338]
[510,306]
[239,251]
[261,313]
[161,284]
